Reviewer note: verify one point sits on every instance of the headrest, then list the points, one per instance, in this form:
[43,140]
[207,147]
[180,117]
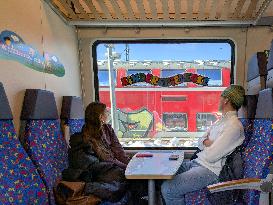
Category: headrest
[72,108]
[39,105]
[249,110]
[257,66]
[270,58]
[5,111]
[265,104]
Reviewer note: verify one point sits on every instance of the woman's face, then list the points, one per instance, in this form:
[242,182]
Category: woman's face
[104,116]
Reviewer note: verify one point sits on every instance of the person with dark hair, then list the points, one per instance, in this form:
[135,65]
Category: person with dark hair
[97,158]
[102,136]
[218,142]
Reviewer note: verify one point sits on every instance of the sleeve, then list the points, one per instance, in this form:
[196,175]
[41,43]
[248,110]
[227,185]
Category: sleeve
[108,157]
[116,147]
[228,140]
[201,146]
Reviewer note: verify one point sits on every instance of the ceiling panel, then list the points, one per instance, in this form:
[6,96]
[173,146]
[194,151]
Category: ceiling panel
[162,10]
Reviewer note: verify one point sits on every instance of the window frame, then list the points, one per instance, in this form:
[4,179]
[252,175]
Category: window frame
[158,41]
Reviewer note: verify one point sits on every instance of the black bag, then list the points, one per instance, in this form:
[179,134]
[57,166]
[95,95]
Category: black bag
[232,170]
[112,192]
[194,156]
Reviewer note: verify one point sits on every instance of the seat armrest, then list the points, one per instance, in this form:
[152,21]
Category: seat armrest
[248,183]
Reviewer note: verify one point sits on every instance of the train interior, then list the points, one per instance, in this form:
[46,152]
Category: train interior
[160,67]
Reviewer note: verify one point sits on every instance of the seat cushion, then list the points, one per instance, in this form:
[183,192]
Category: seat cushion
[258,155]
[47,148]
[248,129]
[197,198]
[20,182]
[75,125]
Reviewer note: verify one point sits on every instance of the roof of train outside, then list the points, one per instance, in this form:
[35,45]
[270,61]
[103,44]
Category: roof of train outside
[128,13]
[166,64]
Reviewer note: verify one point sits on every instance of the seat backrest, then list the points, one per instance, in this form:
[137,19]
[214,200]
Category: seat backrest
[257,72]
[249,110]
[269,82]
[43,138]
[20,182]
[72,113]
[258,154]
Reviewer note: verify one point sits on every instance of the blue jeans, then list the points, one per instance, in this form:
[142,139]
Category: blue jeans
[190,177]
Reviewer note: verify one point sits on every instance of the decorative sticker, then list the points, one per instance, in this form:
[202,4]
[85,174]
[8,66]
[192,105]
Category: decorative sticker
[165,82]
[12,47]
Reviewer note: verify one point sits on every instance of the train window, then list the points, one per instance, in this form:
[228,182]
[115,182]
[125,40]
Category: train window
[165,73]
[215,76]
[174,122]
[152,116]
[103,76]
[205,120]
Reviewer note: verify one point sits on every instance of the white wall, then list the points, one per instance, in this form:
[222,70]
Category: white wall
[34,20]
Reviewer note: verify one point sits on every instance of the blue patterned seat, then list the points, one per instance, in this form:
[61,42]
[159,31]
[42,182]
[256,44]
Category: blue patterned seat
[43,139]
[259,152]
[72,113]
[75,125]
[20,182]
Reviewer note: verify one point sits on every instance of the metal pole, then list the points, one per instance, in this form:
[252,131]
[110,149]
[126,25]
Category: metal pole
[151,192]
[157,24]
[114,116]
[127,50]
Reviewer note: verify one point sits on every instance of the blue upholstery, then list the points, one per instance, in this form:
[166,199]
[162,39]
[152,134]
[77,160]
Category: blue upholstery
[20,182]
[258,155]
[248,130]
[75,125]
[44,141]
[47,149]
[72,113]
[197,198]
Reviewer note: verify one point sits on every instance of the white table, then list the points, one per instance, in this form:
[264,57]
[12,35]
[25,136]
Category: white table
[157,167]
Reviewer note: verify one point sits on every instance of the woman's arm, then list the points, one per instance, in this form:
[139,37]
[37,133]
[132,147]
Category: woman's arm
[105,155]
